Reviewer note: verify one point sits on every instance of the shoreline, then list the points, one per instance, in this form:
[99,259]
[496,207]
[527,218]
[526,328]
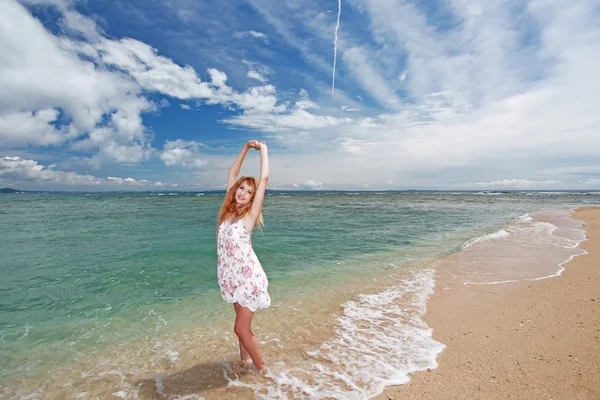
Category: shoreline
[206,367]
[517,340]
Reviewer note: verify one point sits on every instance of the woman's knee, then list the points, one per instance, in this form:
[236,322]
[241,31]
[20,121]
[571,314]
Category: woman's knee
[241,330]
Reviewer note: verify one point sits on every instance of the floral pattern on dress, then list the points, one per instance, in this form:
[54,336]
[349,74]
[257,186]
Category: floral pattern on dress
[239,273]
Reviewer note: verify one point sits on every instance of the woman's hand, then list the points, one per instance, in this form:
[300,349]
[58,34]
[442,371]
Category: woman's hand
[260,144]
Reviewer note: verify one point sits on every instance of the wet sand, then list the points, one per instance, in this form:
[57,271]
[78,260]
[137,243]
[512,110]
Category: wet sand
[521,340]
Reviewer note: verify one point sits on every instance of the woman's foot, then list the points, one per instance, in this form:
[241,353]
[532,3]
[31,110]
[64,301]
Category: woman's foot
[249,364]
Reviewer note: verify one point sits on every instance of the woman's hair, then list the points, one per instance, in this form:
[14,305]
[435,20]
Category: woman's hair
[230,207]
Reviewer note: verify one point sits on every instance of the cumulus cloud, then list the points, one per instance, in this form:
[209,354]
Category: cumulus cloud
[183,153]
[31,173]
[477,96]
[311,184]
[43,76]
[296,118]
[89,92]
[33,127]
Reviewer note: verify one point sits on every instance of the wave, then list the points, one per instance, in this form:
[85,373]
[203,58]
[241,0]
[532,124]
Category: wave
[378,342]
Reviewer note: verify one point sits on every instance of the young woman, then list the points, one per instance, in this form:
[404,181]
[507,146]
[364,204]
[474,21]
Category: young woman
[241,277]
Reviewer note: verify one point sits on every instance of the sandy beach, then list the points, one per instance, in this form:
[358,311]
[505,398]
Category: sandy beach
[523,340]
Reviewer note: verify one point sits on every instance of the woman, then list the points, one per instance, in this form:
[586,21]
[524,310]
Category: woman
[241,277]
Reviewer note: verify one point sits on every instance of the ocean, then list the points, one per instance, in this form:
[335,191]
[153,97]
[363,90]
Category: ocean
[114,295]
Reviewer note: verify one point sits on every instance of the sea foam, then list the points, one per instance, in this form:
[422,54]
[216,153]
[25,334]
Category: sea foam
[496,235]
[528,249]
[379,340]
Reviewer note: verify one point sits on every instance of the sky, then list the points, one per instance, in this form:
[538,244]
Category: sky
[435,94]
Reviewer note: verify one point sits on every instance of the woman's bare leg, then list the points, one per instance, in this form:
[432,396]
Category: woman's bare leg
[244,355]
[248,343]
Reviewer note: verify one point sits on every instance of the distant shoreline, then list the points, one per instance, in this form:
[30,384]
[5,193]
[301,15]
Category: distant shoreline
[219,191]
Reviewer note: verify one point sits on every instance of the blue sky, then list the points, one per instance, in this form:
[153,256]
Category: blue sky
[161,95]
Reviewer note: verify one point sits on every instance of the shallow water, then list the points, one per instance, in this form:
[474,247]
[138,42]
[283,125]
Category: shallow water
[117,293]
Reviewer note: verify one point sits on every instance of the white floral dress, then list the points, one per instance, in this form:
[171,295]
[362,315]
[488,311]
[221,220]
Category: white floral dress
[240,275]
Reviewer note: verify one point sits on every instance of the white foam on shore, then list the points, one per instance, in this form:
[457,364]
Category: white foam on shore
[490,283]
[552,245]
[561,265]
[526,217]
[496,235]
[378,342]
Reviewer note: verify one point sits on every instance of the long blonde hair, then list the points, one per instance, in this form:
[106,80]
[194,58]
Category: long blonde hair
[230,207]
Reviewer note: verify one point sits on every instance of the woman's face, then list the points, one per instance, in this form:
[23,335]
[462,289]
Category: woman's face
[244,193]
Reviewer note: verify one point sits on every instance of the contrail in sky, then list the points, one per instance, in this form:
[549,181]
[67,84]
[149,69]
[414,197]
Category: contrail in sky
[337,26]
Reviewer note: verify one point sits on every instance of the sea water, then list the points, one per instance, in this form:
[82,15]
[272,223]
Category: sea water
[115,294]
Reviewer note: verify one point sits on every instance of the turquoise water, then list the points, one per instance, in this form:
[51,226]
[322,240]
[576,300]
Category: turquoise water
[83,272]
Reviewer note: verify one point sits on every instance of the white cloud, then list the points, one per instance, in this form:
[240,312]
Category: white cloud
[311,184]
[481,100]
[295,119]
[183,153]
[255,75]
[287,17]
[305,104]
[154,72]
[261,99]
[260,68]
[157,73]
[356,146]
[41,74]
[254,34]
[29,127]
[590,182]
[369,77]
[290,140]
[528,184]
[482,97]
[30,173]
[45,76]
[519,184]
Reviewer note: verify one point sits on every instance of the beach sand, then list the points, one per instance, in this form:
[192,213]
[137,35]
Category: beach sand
[523,340]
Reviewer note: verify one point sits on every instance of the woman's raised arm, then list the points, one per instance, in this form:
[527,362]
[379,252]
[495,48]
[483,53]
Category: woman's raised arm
[237,164]
[259,196]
